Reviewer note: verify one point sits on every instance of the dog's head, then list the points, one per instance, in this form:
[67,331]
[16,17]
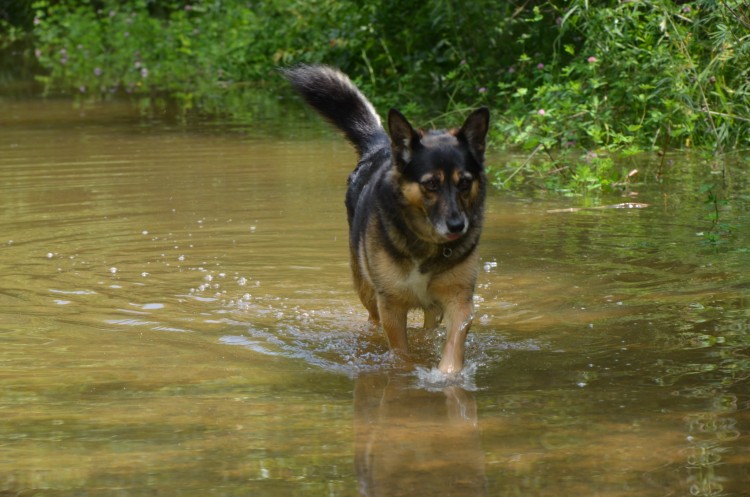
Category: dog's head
[441,175]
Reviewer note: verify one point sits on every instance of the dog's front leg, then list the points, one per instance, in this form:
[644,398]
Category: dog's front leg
[393,318]
[458,317]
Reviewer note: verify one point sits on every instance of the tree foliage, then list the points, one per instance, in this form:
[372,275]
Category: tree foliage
[635,75]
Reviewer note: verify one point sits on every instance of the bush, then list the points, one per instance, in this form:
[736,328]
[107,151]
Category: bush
[560,75]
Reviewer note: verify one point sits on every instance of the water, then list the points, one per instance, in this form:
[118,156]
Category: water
[177,318]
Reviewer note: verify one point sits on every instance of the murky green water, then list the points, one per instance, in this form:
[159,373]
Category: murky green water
[176,318]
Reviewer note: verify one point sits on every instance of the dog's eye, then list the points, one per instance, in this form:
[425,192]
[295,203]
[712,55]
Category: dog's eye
[431,184]
[464,184]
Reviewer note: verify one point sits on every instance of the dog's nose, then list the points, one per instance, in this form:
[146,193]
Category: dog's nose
[455,225]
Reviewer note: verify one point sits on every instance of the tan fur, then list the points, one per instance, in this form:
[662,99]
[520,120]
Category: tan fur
[363,286]
[413,195]
[448,295]
[473,193]
[455,289]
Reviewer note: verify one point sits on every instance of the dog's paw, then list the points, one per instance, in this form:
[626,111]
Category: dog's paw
[434,379]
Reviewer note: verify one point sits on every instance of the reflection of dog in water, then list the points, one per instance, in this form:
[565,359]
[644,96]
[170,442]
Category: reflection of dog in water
[412,442]
[415,206]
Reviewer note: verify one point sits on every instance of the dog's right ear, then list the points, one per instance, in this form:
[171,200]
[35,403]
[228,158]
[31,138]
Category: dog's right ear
[404,138]
[474,132]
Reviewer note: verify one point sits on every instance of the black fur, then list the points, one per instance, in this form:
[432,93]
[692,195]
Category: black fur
[415,206]
[341,103]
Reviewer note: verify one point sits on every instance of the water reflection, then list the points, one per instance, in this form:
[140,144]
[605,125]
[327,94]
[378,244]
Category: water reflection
[414,442]
[709,443]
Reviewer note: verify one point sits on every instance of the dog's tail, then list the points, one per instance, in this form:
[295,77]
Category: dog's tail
[337,99]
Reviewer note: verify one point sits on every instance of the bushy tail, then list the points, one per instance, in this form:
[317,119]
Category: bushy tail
[334,96]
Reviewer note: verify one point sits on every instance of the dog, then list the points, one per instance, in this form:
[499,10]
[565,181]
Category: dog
[415,207]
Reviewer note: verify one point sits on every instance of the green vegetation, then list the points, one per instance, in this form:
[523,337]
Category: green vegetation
[570,84]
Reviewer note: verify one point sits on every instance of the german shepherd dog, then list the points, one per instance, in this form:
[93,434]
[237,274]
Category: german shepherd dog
[415,204]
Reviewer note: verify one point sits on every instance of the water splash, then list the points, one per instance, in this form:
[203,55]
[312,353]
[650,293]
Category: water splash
[343,345]
[347,352]
[332,334]
[434,380]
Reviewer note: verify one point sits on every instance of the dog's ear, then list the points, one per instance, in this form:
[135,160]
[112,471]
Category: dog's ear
[474,132]
[404,138]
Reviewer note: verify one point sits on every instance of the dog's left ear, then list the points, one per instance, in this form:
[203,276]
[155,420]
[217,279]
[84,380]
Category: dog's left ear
[474,132]
[404,138]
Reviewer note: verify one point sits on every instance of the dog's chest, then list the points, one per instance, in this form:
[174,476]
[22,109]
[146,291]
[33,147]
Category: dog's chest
[417,284]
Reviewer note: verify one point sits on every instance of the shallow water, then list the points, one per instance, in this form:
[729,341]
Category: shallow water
[176,317]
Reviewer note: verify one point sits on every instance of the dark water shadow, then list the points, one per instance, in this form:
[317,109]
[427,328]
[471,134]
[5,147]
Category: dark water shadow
[410,441]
